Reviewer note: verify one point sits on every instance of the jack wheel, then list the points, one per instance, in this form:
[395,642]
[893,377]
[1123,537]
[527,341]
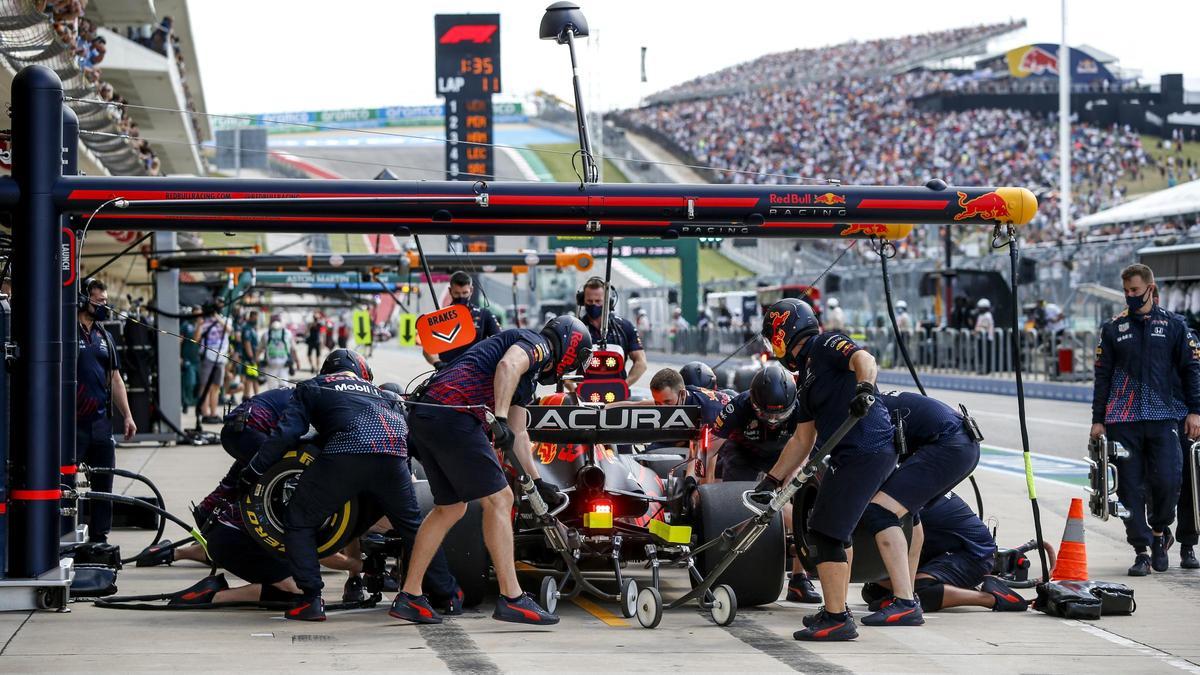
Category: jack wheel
[629,598]
[649,607]
[548,597]
[724,605]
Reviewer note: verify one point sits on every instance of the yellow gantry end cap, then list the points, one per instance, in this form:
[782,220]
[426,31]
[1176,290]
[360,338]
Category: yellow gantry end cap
[1022,205]
[672,534]
[897,231]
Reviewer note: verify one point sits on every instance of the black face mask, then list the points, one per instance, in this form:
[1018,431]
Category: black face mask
[594,311]
[460,301]
[98,312]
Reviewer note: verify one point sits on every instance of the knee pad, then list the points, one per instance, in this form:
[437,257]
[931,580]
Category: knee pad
[824,548]
[930,592]
[271,593]
[877,519]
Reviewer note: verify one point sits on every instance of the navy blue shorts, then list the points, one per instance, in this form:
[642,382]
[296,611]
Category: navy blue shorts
[957,569]
[459,460]
[735,462]
[847,487]
[234,551]
[932,471]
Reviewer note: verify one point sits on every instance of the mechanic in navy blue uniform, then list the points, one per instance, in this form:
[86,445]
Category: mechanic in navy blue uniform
[364,451]
[838,379]
[1142,351]
[957,558]
[1188,527]
[621,335]
[755,426]
[99,389]
[486,324]
[943,450]
[449,430]
[668,387]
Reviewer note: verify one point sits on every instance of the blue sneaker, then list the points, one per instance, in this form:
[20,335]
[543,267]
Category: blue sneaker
[810,619]
[524,609]
[415,608]
[307,609]
[898,612]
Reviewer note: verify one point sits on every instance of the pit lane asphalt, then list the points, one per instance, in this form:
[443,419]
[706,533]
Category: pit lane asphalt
[1160,637]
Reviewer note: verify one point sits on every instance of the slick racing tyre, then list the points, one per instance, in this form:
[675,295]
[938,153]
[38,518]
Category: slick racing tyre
[756,576]
[464,548]
[264,509]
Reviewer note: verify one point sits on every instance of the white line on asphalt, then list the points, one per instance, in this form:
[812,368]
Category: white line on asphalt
[1145,650]
[1040,420]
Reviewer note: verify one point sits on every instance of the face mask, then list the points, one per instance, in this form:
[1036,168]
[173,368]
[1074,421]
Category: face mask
[459,301]
[1135,302]
[99,312]
[593,311]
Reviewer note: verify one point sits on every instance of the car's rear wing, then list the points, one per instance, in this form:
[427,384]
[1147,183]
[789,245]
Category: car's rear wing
[617,424]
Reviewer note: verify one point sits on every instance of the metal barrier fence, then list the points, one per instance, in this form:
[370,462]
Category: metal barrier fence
[1065,356]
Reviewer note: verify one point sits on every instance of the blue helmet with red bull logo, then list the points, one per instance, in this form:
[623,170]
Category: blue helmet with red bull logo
[342,360]
[785,324]
[570,344]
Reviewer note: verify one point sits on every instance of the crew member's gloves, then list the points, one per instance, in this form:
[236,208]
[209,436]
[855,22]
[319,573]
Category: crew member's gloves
[764,492]
[864,396]
[502,436]
[549,493]
[438,365]
[247,479]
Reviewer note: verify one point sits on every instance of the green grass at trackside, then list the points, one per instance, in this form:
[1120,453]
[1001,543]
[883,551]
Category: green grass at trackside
[1151,179]
[216,239]
[557,158]
[713,267]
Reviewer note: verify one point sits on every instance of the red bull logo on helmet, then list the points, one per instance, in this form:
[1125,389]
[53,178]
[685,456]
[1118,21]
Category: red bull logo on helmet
[988,206]
[778,335]
[570,355]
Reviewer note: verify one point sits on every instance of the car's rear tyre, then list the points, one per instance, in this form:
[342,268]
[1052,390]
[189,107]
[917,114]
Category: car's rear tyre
[756,576]
[465,551]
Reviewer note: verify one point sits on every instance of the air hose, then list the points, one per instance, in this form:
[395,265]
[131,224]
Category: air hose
[888,250]
[163,513]
[162,521]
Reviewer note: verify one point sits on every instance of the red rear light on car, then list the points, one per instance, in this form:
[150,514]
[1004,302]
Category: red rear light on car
[599,515]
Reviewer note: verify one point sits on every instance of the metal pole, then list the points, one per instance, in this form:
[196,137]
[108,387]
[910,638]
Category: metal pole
[585,144]
[1064,127]
[69,294]
[948,274]
[166,298]
[37,97]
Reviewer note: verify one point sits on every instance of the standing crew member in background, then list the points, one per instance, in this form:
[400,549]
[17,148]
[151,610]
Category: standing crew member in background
[449,434]
[755,426]
[835,317]
[1186,513]
[279,349]
[248,355]
[364,440]
[1142,351]
[838,378]
[99,389]
[313,341]
[486,324]
[213,336]
[985,332]
[621,335]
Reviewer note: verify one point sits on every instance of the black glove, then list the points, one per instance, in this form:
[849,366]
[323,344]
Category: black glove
[502,436]
[764,492]
[549,493]
[247,479]
[864,396]
[438,365]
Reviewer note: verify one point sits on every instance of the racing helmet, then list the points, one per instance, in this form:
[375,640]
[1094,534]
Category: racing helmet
[833,303]
[901,305]
[698,374]
[347,360]
[984,303]
[570,343]
[773,395]
[785,324]
[392,391]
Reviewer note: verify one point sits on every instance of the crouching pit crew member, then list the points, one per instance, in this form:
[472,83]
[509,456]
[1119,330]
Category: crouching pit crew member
[449,433]
[364,443]
[944,447]
[838,378]
[956,559]
[753,428]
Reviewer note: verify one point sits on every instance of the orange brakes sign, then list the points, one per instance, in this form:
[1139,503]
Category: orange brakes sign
[447,328]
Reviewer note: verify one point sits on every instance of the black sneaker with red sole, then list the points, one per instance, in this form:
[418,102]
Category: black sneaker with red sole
[809,619]
[826,627]
[414,608]
[522,610]
[200,593]
[306,609]
[153,555]
[1006,599]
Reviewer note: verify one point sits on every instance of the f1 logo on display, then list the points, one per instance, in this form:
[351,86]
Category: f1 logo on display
[476,34]
[446,329]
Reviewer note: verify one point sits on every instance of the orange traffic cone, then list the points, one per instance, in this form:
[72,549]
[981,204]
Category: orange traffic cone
[1072,556]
